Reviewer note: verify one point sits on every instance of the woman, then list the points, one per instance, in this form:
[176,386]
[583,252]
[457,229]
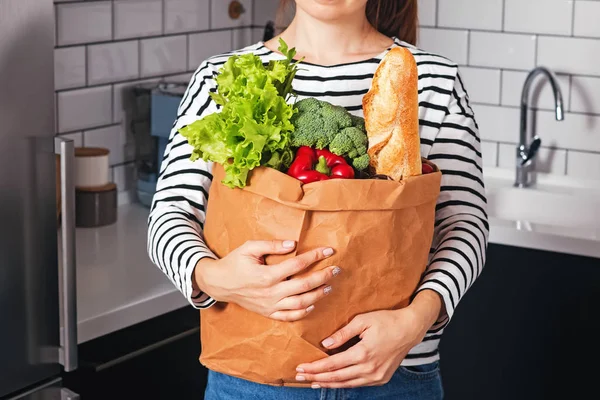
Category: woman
[342,42]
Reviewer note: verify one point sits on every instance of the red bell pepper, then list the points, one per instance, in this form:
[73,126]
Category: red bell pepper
[312,165]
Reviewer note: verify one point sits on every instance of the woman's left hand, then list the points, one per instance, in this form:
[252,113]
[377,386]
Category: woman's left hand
[385,339]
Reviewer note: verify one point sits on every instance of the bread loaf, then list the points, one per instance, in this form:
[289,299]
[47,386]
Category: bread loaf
[391,109]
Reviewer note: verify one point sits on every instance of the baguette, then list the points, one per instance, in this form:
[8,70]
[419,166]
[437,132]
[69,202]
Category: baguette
[391,110]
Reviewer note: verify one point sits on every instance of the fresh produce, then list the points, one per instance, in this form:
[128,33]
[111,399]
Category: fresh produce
[254,125]
[311,165]
[321,125]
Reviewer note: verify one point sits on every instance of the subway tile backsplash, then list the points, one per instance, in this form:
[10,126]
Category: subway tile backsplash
[104,47]
[504,40]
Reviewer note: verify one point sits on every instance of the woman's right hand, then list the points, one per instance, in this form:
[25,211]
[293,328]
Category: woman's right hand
[243,278]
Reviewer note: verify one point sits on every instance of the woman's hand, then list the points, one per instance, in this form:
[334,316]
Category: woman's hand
[243,278]
[386,338]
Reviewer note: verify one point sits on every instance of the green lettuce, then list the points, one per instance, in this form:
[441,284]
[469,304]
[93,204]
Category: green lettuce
[254,125]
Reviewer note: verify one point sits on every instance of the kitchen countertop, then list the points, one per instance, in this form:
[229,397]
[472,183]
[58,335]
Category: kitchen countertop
[118,286]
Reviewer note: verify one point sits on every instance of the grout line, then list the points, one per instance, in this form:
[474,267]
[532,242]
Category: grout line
[566,161]
[503,15]
[210,22]
[570,91]
[501,81]
[164,17]
[573,19]
[437,12]
[468,47]
[112,20]
[536,109]
[127,39]
[537,42]
[86,56]
[188,50]
[139,58]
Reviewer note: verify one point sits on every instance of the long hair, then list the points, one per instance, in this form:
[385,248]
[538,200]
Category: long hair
[397,18]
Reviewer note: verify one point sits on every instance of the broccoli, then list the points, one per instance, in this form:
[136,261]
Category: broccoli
[319,124]
[349,141]
[361,163]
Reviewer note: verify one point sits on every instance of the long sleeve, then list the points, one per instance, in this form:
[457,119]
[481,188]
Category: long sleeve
[461,223]
[175,240]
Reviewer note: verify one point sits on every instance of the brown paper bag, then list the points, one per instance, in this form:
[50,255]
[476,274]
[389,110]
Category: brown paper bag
[381,232]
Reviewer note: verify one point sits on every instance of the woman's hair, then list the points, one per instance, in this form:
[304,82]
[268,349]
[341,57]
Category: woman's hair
[391,17]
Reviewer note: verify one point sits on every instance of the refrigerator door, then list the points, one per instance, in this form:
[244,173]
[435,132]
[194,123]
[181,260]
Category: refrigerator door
[29,295]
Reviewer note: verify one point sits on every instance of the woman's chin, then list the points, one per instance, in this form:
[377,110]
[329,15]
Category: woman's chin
[330,9]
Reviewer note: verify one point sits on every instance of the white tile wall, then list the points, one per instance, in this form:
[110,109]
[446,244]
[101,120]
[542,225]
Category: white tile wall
[489,153]
[186,15]
[583,164]
[112,62]
[482,84]
[570,55]
[449,43]
[135,18]
[563,35]
[83,22]
[538,16]
[220,16]
[505,50]
[583,24]
[69,67]
[165,55]
[541,91]
[83,108]
[472,14]
[112,138]
[204,45]
[548,160]
[104,47]
[585,94]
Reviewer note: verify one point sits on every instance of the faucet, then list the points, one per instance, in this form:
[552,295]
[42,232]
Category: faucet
[526,152]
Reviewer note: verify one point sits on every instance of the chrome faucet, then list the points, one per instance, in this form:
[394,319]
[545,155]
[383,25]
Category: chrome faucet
[526,152]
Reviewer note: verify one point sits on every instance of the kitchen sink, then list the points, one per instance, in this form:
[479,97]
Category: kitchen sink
[545,208]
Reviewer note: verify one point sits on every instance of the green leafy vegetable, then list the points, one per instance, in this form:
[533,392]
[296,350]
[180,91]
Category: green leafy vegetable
[254,125]
[319,124]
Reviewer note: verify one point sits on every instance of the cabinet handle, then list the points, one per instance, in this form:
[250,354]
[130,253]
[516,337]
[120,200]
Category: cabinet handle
[68,333]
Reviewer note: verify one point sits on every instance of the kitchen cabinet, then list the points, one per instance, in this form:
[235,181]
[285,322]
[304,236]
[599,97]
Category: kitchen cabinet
[156,359]
[526,330]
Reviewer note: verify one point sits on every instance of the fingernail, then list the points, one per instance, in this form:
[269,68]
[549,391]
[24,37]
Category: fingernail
[299,369]
[289,244]
[310,308]
[327,252]
[336,271]
[315,386]
[327,342]
[327,290]
[300,378]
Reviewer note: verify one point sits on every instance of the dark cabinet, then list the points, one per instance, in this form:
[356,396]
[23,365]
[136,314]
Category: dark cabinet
[157,359]
[527,329]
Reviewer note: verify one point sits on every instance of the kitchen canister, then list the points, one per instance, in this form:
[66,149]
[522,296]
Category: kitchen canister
[91,167]
[95,194]
[95,207]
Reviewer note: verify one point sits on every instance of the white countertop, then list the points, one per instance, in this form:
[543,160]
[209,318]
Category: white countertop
[117,284]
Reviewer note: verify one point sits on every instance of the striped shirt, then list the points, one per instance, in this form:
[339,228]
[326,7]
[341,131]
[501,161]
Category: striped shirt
[449,137]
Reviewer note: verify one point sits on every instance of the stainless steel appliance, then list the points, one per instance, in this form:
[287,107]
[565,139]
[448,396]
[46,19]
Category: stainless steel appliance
[37,301]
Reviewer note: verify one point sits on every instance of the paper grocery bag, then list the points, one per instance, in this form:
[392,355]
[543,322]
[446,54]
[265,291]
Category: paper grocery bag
[381,232]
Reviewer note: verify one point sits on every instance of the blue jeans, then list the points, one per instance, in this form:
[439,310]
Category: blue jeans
[422,382]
